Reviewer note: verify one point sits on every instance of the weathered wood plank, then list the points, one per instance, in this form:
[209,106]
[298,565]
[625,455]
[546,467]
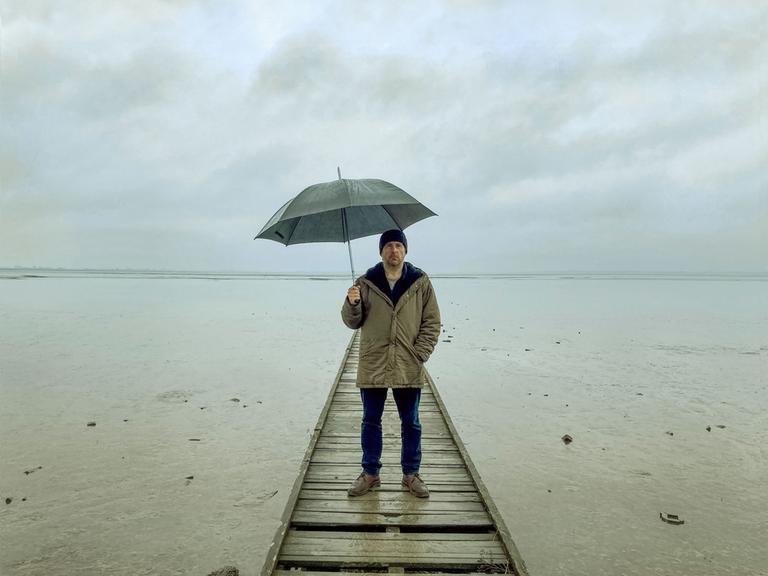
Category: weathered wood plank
[379,496]
[387,458]
[312,518]
[386,506]
[412,536]
[351,471]
[362,573]
[435,486]
[353,445]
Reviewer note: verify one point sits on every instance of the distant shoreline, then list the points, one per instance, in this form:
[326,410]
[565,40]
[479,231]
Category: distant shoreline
[32,273]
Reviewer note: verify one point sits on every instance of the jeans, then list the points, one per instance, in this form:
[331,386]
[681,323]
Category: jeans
[407,400]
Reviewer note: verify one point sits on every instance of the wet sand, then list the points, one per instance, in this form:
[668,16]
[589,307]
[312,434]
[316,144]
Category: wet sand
[204,393]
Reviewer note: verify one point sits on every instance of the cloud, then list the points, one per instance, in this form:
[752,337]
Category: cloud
[518,124]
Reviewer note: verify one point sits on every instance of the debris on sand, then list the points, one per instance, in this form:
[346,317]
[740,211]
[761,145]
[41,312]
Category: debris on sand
[567,439]
[673,519]
[709,428]
[668,433]
[32,470]
[721,426]
[91,424]
[234,399]
[8,500]
[226,571]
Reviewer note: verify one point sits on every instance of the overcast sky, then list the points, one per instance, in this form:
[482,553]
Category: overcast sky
[548,136]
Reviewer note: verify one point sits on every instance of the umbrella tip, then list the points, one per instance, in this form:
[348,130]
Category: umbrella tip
[338,171]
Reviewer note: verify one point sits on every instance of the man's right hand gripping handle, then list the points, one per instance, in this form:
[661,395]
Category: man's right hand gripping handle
[353,295]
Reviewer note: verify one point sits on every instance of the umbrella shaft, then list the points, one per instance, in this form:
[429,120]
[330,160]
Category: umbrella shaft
[349,244]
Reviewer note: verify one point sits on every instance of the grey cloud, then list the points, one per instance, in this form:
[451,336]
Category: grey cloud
[541,152]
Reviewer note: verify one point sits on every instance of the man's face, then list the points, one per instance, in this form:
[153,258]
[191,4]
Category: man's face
[393,253]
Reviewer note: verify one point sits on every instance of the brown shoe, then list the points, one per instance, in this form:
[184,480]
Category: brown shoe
[415,485]
[364,483]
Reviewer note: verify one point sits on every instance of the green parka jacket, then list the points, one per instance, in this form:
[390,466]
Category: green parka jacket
[395,340]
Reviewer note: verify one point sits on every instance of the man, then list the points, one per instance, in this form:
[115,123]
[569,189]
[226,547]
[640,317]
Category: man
[395,307]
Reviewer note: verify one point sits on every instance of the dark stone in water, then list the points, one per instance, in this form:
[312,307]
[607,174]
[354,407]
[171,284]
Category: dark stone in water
[567,439]
[226,571]
[91,424]
[709,428]
[8,500]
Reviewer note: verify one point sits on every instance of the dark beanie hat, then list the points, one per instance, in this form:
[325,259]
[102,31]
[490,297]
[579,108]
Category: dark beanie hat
[394,235]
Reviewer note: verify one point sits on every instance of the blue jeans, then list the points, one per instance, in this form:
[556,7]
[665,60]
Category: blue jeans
[407,400]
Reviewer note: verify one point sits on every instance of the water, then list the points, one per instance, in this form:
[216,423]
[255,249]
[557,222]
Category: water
[616,362]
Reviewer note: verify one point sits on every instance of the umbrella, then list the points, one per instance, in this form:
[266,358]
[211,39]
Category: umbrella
[342,210]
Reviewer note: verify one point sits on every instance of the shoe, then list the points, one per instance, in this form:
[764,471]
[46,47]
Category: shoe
[415,485]
[364,483]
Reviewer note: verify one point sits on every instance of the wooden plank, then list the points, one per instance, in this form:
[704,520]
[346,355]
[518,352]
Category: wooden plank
[355,434]
[388,458]
[353,469]
[379,496]
[363,573]
[390,486]
[394,535]
[386,506]
[439,520]
[391,446]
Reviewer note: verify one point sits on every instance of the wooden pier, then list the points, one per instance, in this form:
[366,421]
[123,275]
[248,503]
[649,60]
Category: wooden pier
[456,530]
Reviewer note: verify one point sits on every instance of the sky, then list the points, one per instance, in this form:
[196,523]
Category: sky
[547,136]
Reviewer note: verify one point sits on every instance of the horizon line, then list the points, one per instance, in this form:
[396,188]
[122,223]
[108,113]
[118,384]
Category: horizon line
[433,274]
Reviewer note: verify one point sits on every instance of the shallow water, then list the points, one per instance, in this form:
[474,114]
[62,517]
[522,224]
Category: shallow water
[156,361]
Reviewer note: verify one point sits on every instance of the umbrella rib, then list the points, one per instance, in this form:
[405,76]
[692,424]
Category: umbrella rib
[384,207]
[293,229]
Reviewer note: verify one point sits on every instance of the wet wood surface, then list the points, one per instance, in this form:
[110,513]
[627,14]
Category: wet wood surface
[456,529]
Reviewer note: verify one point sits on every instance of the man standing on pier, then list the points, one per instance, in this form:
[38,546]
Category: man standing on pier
[395,306]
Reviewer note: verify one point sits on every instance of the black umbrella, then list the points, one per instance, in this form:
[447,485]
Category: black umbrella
[342,210]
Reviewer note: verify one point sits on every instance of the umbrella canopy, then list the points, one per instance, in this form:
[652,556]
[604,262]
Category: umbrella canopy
[343,210]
